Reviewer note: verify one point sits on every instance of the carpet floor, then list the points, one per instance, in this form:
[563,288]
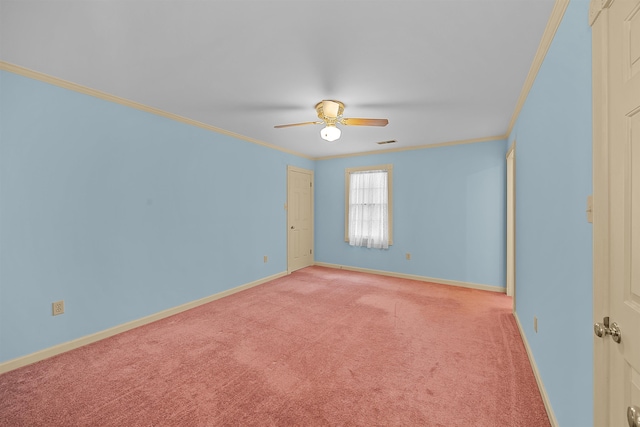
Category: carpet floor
[318,347]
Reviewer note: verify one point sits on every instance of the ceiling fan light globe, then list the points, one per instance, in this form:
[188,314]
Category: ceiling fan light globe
[330,133]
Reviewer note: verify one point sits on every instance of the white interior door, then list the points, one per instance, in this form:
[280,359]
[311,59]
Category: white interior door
[299,218]
[511,223]
[616,73]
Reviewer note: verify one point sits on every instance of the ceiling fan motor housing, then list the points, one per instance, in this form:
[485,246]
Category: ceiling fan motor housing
[329,111]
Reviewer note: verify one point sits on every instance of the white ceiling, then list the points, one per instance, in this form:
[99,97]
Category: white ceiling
[439,70]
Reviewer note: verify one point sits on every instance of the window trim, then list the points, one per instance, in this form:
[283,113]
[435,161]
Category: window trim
[347,181]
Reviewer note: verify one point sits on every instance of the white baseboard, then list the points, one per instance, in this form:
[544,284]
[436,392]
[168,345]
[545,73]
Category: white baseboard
[416,277]
[536,374]
[88,339]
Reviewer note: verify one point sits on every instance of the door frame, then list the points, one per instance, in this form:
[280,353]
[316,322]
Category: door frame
[310,173]
[598,11]
[511,223]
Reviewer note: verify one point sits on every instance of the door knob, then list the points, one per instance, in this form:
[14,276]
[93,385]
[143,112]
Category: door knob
[292,227]
[603,329]
[633,416]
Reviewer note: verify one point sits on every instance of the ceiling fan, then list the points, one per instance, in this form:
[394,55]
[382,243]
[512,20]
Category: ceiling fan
[330,114]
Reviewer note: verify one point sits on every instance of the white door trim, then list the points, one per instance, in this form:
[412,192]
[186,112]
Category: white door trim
[600,207]
[511,224]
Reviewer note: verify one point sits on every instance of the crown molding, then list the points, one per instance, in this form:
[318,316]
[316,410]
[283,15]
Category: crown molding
[547,37]
[36,75]
[417,147]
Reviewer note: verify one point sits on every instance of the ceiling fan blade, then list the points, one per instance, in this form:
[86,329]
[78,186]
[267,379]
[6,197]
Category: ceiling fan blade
[365,122]
[297,124]
[330,108]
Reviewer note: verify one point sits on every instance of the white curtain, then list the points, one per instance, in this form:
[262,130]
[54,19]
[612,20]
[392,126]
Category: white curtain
[368,209]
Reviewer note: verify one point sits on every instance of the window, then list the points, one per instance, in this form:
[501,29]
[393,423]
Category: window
[368,206]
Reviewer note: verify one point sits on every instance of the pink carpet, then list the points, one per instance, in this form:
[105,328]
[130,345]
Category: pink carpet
[317,347]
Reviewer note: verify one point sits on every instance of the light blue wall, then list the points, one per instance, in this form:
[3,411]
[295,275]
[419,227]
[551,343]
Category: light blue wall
[554,246]
[448,212]
[122,213]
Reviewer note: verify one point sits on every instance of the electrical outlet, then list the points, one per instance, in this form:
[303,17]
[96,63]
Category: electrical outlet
[57,307]
[266,258]
[535,324]
[408,256]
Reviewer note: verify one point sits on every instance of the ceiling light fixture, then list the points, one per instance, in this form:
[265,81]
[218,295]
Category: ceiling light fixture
[330,133]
